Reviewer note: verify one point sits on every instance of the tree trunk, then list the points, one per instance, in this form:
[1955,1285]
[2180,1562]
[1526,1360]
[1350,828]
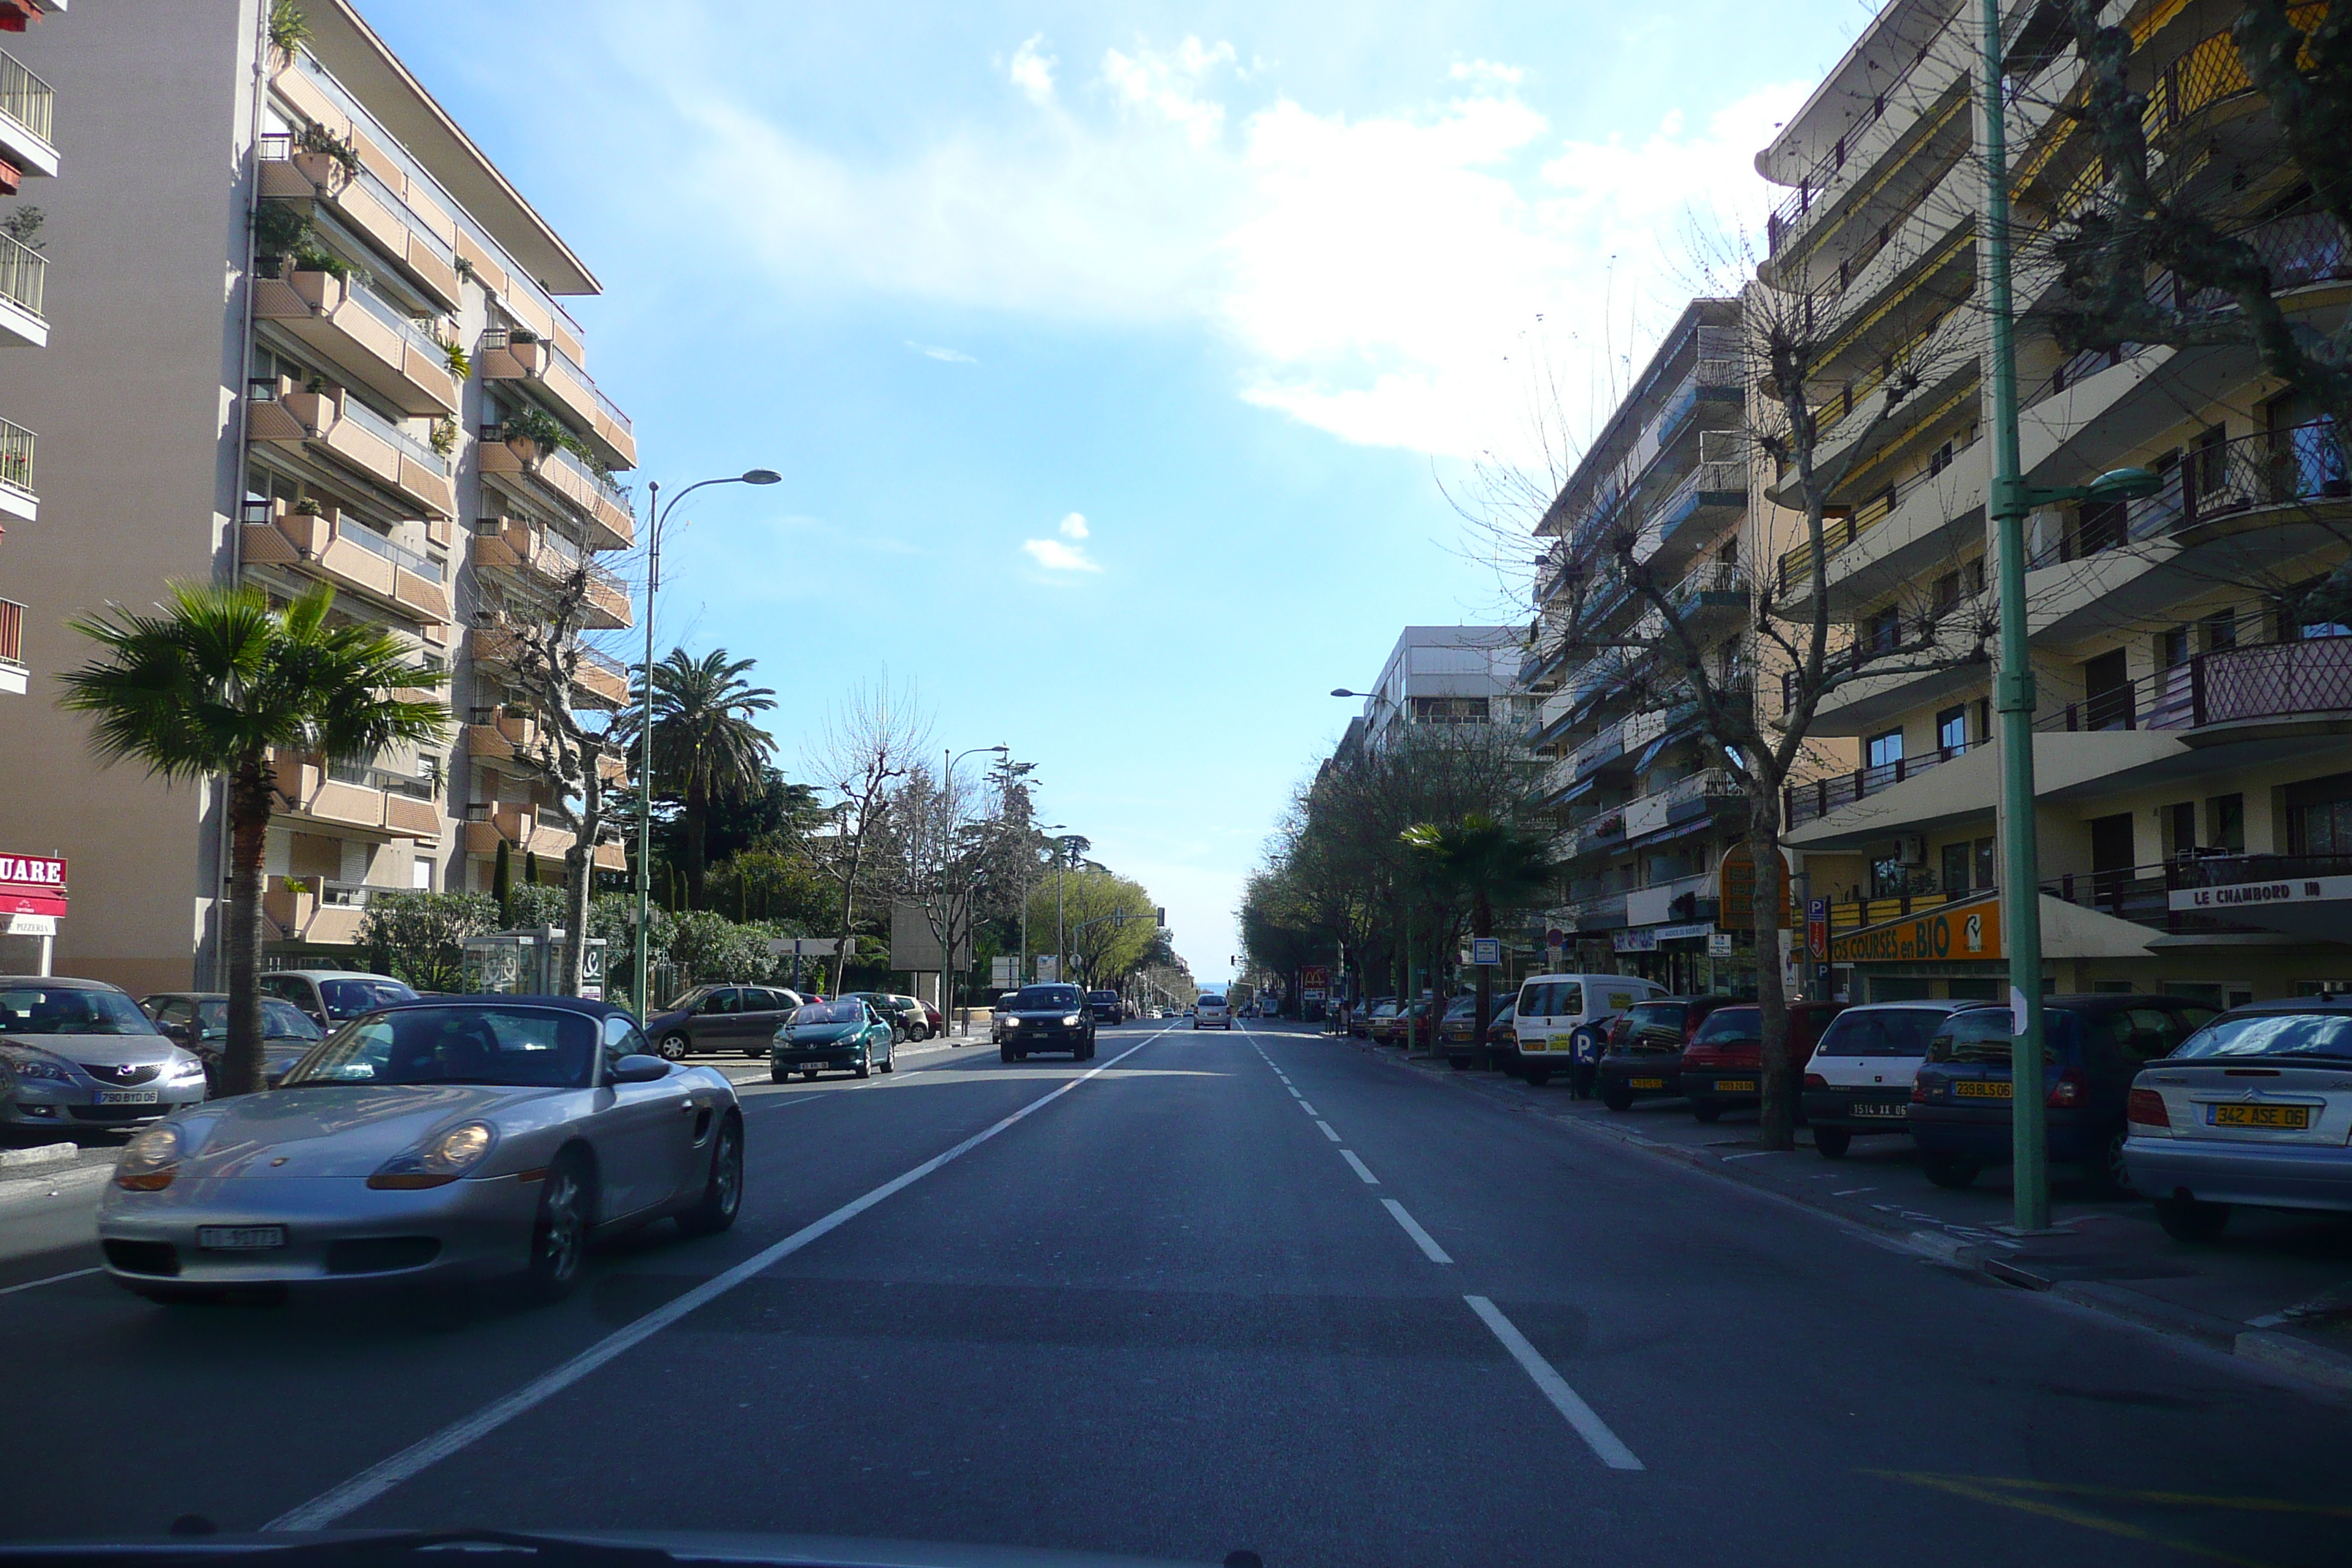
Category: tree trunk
[848,906]
[248,815]
[579,876]
[1776,1121]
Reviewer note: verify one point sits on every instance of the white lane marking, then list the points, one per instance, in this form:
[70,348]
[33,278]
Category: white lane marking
[1753,1154]
[1294,1093]
[378,1478]
[1421,1238]
[1362,1169]
[1588,1427]
[1327,1131]
[1851,1191]
[1309,1108]
[52,1279]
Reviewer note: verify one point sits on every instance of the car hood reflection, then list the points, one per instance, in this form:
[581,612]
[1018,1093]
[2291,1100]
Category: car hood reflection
[338,1130]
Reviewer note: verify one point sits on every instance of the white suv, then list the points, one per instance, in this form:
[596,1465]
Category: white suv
[1208,1010]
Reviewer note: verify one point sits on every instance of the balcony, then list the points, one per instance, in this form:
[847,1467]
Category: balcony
[23,272]
[27,107]
[393,355]
[332,422]
[1865,560]
[350,555]
[1599,913]
[1709,594]
[542,559]
[599,681]
[519,354]
[1655,905]
[387,200]
[13,673]
[559,475]
[1957,786]
[312,909]
[517,824]
[369,800]
[1686,798]
[2238,694]
[1686,520]
[18,497]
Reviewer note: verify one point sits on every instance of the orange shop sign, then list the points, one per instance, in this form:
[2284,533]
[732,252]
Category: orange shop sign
[1956,930]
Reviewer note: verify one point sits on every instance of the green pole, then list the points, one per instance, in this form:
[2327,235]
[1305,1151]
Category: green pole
[646,753]
[2020,859]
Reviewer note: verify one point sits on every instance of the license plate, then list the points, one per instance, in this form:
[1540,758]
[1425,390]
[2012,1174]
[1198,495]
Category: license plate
[1869,1108]
[1734,1085]
[126,1097]
[1980,1088]
[1645,1083]
[240,1238]
[2297,1117]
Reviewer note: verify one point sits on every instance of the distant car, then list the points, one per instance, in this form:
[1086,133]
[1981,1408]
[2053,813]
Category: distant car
[331,995]
[2094,1046]
[1646,1060]
[903,1013]
[1457,1030]
[1047,1017]
[728,1018]
[1360,1022]
[846,1033]
[1859,1080]
[454,1138]
[1107,1006]
[79,1053]
[2251,1109]
[1723,1066]
[1211,1012]
[199,1020]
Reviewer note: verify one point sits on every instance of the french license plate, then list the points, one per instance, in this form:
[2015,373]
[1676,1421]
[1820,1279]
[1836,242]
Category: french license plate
[126,1097]
[1875,1108]
[240,1237]
[1980,1088]
[1734,1085]
[1645,1083]
[1533,1045]
[2296,1117]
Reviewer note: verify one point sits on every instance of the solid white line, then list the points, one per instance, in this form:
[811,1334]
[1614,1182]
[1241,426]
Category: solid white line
[1327,1131]
[1362,1169]
[378,1478]
[52,1279]
[1588,1427]
[1427,1243]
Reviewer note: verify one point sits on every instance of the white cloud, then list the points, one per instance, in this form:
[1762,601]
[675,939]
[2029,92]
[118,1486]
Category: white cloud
[932,350]
[1032,73]
[1170,85]
[1053,555]
[1487,71]
[1073,526]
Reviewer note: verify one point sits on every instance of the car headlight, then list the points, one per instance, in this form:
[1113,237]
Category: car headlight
[439,1159]
[185,1069]
[1071,1022]
[1012,1023]
[26,1063]
[151,1160]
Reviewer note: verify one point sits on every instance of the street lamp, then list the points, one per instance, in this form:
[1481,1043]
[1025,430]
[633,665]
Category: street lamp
[2012,500]
[947,900]
[658,515]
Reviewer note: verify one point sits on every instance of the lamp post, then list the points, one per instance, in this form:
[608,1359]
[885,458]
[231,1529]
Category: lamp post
[659,514]
[2012,500]
[946,900]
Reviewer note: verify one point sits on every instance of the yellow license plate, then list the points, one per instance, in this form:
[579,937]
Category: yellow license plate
[1645,1083]
[1980,1088]
[1531,1045]
[2297,1117]
[1735,1086]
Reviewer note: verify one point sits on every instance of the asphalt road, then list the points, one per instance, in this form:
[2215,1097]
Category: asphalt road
[1248,1290]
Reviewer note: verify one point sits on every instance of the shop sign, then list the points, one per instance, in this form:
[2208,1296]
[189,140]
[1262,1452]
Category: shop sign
[1314,979]
[1645,941]
[1969,930]
[32,885]
[29,925]
[1735,883]
[2244,895]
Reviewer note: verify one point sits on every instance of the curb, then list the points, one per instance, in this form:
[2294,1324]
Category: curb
[40,1154]
[2298,1358]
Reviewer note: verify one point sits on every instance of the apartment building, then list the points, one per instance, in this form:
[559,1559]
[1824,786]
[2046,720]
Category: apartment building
[29,159]
[1438,675]
[312,335]
[2191,747]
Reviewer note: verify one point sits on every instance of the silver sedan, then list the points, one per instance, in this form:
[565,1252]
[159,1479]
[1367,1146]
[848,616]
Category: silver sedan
[444,1140]
[79,1055]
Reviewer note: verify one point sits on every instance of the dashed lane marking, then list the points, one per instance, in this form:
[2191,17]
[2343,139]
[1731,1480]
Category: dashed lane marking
[1595,1432]
[1421,1238]
[1359,1167]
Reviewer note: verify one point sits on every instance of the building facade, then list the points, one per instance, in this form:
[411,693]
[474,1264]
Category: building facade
[29,159]
[312,335]
[1439,675]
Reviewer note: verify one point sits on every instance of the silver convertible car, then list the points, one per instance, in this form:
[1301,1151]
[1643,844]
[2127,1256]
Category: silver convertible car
[451,1139]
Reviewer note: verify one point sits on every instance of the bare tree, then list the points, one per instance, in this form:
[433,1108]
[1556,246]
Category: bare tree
[872,740]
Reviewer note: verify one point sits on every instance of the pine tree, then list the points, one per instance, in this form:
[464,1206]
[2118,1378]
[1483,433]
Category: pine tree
[501,883]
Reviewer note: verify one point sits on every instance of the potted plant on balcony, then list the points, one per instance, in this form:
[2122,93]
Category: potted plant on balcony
[533,433]
[328,160]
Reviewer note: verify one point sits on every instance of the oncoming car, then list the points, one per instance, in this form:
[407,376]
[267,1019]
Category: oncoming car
[1047,1017]
[447,1140]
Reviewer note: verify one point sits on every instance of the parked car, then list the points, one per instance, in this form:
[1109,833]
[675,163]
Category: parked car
[2254,1109]
[903,1014]
[331,995]
[450,1138]
[1457,1029]
[1360,1022]
[846,1033]
[1047,1017]
[1211,1012]
[1562,1022]
[1501,1039]
[1723,1066]
[79,1053]
[2094,1046]
[1859,1080]
[1646,1060]
[199,1020]
[721,1018]
[1107,1006]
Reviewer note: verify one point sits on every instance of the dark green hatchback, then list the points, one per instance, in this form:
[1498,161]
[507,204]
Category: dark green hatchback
[846,1035]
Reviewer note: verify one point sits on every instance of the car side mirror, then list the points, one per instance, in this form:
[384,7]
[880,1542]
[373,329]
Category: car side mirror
[637,1070]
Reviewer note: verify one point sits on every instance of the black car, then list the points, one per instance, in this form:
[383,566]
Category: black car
[199,1021]
[1106,1006]
[1645,1058]
[1043,1018]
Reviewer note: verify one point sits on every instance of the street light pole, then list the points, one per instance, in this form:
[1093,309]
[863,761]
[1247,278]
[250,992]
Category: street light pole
[658,514]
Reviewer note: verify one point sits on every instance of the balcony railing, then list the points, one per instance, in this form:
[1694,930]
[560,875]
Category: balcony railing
[26,98]
[1818,180]
[2211,70]
[2143,894]
[392,316]
[2297,464]
[1802,803]
[2274,680]
[612,410]
[1837,532]
[23,273]
[616,493]
[12,632]
[16,457]
[407,559]
[377,425]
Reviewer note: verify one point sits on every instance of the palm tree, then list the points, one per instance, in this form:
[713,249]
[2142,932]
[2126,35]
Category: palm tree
[705,745]
[1497,865]
[213,685]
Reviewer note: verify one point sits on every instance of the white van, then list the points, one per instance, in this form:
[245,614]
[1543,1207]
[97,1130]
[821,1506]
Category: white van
[1562,1021]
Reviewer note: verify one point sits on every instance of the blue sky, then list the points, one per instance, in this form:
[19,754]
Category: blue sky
[1115,355]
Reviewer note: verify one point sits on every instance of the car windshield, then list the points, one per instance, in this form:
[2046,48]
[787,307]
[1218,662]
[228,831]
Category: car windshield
[279,1020]
[1043,998]
[849,1010]
[70,1010]
[1894,1032]
[540,1048]
[1981,1034]
[350,998]
[1726,1025]
[1100,997]
[1461,1007]
[1657,1015]
[2324,1035]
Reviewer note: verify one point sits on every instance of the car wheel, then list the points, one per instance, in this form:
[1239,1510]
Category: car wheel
[2111,1178]
[1833,1141]
[1706,1110]
[722,1191]
[865,1065]
[780,1075]
[918,1033]
[558,1237]
[2186,1219]
[890,1062]
[1949,1170]
[673,1047]
[1459,1063]
[1004,1052]
[1537,1074]
[1617,1099]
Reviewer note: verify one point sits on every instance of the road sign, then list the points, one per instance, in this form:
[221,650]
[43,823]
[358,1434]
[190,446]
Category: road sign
[1004,971]
[1555,937]
[1486,950]
[803,946]
[1718,944]
[1314,978]
[1816,929]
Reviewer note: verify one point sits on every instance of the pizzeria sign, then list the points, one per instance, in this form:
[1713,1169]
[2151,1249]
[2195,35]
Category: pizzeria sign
[32,884]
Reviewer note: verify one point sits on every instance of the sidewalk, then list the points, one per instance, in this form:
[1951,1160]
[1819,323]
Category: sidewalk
[2277,1287]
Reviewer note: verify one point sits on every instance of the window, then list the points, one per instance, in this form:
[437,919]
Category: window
[2172,648]
[1976,575]
[1952,731]
[420,874]
[726,1000]
[2098,525]
[1882,631]
[1984,863]
[2180,827]
[2225,817]
[1946,595]
[2221,629]
[1551,999]
[621,1039]
[2319,815]
[2209,461]
[1894,1032]
[540,1048]
[1955,866]
[1984,718]
[1886,748]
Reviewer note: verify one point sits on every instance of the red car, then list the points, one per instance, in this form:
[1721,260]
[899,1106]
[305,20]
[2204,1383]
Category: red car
[1723,1066]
